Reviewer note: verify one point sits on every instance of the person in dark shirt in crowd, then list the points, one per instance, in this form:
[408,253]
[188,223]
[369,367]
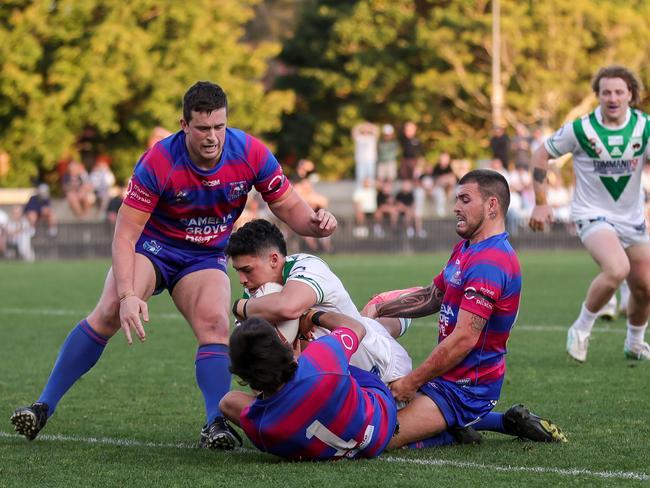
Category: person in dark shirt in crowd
[500,145]
[39,208]
[412,151]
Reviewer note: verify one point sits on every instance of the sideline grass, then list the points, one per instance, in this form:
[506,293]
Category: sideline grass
[144,400]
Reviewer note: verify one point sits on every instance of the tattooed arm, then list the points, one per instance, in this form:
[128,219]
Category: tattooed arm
[420,303]
[447,354]
[542,213]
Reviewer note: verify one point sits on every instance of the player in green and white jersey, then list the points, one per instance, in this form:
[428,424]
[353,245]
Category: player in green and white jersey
[259,255]
[609,147]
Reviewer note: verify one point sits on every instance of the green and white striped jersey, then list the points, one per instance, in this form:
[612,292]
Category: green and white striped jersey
[331,295]
[607,163]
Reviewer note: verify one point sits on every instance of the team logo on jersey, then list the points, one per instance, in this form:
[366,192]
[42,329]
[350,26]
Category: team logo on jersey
[616,152]
[347,341]
[615,140]
[276,183]
[594,145]
[152,246]
[210,183]
[181,196]
[136,192]
[456,277]
[237,189]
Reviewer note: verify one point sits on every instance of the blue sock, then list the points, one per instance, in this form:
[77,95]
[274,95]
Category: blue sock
[492,421]
[439,440]
[80,351]
[213,376]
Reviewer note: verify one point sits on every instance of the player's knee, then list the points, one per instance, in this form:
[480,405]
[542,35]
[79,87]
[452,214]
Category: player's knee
[107,314]
[212,327]
[229,407]
[616,274]
[641,290]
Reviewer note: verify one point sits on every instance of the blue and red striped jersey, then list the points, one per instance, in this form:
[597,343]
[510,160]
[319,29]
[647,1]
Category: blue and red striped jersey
[323,412]
[484,279]
[195,209]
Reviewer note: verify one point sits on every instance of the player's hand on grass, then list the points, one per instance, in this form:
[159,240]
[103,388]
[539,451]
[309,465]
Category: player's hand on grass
[403,389]
[130,310]
[325,223]
[542,215]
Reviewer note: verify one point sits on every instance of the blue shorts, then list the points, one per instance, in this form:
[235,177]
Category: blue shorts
[458,407]
[367,380]
[171,264]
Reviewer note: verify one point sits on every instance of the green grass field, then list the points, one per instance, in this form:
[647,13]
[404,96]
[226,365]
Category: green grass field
[134,419]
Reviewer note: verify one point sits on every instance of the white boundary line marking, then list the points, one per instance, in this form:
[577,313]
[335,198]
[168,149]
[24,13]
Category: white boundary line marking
[571,472]
[79,314]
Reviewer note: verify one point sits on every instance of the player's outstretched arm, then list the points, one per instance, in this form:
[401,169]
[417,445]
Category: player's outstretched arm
[419,303]
[295,212]
[447,354]
[542,212]
[128,228]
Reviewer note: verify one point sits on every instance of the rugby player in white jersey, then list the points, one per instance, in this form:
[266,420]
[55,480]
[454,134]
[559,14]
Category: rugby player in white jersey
[610,148]
[259,255]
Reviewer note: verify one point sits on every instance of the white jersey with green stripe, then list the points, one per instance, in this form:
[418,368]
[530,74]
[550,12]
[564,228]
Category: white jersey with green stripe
[607,164]
[331,295]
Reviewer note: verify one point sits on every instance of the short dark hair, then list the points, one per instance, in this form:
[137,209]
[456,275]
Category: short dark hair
[616,71]
[259,357]
[203,96]
[490,184]
[254,237]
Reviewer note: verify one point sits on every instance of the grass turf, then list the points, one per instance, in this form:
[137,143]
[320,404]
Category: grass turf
[134,419]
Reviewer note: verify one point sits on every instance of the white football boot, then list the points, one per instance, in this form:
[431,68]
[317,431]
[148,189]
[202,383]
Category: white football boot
[639,351]
[577,344]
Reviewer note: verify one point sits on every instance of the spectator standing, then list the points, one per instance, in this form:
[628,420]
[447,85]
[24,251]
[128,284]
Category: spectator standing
[500,145]
[365,205]
[365,136]
[445,181]
[521,147]
[387,152]
[412,151]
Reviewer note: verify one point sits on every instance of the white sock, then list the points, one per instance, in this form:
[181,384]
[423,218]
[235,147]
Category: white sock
[585,321]
[625,295]
[635,333]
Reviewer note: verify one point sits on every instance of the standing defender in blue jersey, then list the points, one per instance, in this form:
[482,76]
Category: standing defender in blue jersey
[477,295]
[185,194]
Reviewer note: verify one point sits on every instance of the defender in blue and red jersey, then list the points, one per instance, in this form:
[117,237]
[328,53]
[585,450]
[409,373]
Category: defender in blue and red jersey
[477,295]
[185,194]
[316,407]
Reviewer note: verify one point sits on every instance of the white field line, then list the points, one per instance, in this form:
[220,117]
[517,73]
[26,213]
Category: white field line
[570,472]
[79,314]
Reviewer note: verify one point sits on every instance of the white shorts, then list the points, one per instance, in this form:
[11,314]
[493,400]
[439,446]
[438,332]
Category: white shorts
[378,352]
[628,234]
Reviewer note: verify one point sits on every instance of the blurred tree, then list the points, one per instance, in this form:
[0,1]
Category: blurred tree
[429,61]
[103,73]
